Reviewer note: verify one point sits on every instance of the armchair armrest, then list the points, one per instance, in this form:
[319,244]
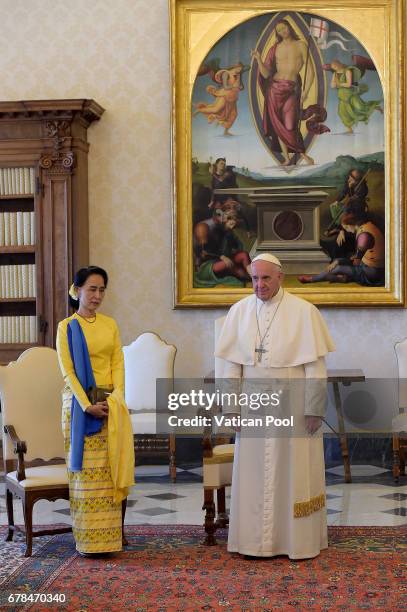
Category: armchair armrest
[207,445]
[209,439]
[20,448]
[207,432]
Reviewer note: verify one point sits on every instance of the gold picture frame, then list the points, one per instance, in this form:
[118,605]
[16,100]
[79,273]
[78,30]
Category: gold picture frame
[197,26]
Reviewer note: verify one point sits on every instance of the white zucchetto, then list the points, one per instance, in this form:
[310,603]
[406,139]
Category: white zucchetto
[267,257]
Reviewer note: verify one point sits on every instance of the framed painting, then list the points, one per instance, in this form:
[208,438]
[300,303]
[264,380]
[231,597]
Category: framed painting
[288,131]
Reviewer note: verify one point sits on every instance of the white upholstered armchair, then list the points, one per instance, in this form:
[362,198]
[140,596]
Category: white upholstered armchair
[400,435]
[147,359]
[30,390]
[217,468]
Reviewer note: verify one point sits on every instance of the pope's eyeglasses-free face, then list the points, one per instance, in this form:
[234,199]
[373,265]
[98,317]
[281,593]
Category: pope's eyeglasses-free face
[266,278]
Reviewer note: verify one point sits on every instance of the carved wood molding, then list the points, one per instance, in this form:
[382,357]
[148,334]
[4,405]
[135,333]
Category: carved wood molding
[58,162]
[57,130]
[84,109]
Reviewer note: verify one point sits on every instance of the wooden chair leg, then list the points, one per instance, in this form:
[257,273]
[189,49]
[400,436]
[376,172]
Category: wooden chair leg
[172,461]
[223,519]
[28,523]
[10,515]
[402,460]
[210,527]
[124,506]
[341,432]
[396,458]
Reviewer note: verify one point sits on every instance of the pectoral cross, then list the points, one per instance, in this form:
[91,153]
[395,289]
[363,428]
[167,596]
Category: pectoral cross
[260,351]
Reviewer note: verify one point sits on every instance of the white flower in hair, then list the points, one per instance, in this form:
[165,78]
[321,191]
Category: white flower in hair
[73,292]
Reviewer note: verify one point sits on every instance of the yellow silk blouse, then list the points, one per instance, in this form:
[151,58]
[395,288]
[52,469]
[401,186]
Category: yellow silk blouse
[105,352]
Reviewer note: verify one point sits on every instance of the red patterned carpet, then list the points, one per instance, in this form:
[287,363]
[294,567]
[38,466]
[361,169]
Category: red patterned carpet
[166,568]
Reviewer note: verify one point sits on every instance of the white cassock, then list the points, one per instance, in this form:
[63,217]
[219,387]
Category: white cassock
[278,484]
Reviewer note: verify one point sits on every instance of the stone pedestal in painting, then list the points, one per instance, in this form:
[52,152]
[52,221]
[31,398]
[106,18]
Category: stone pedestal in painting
[288,226]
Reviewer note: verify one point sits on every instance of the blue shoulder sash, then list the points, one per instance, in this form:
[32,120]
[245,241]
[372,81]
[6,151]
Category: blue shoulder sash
[82,423]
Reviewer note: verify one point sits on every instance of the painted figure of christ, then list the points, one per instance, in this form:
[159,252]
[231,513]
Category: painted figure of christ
[284,93]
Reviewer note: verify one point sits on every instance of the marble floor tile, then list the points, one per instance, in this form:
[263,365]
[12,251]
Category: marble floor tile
[396,496]
[331,496]
[166,496]
[197,470]
[371,499]
[155,511]
[369,519]
[153,470]
[397,511]
[358,470]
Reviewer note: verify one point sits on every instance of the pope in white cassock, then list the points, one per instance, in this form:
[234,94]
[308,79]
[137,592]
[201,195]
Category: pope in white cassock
[278,486]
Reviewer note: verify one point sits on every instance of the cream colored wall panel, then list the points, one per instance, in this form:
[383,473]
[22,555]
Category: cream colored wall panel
[117,53]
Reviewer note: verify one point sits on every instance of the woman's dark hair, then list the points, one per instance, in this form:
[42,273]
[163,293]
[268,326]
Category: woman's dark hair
[82,276]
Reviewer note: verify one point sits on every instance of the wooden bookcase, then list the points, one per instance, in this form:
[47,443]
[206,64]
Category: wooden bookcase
[14,256]
[49,140]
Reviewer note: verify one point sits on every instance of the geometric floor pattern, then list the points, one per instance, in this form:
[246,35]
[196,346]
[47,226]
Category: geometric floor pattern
[370,500]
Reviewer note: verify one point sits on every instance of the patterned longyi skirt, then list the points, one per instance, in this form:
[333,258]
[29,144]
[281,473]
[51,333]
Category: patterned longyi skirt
[96,518]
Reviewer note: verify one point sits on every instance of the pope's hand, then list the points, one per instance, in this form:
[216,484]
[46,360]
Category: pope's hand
[312,424]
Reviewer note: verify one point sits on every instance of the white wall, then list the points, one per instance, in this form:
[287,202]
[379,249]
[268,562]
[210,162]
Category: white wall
[117,52]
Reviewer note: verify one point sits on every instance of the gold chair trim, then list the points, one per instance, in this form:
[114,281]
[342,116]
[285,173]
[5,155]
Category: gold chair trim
[216,459]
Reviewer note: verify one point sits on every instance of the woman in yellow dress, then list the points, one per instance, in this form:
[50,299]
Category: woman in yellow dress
[95,420]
